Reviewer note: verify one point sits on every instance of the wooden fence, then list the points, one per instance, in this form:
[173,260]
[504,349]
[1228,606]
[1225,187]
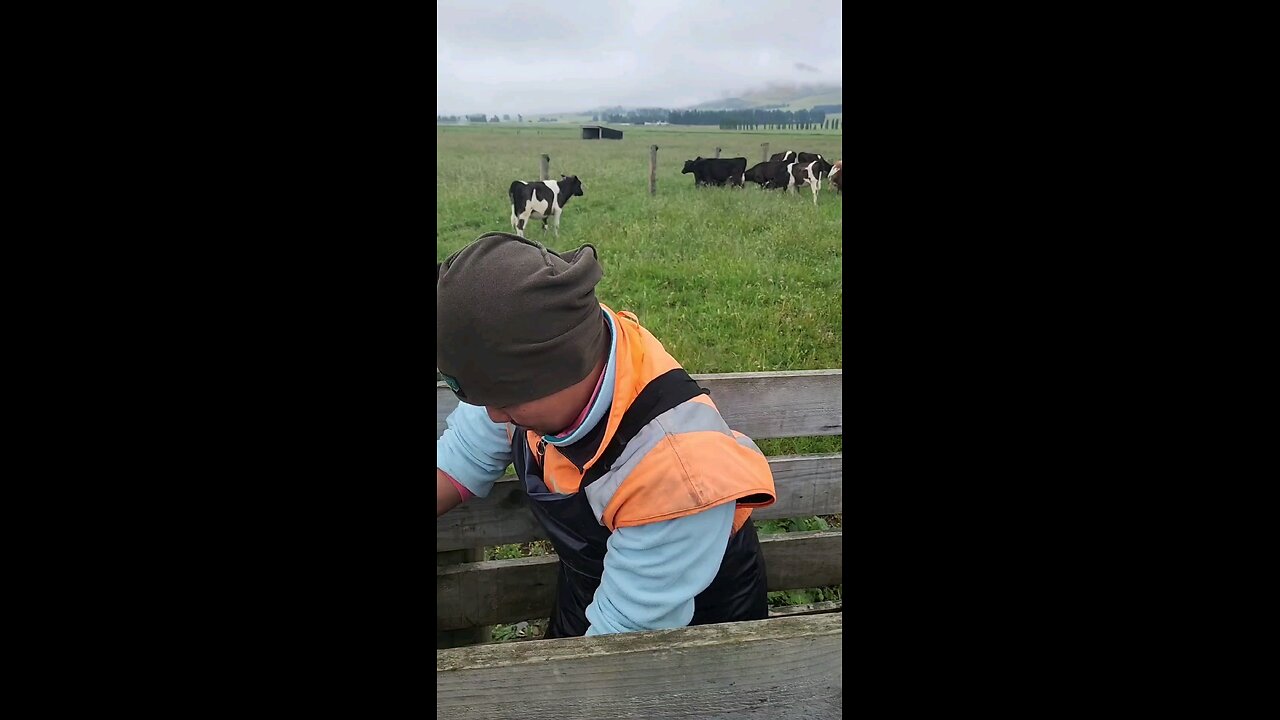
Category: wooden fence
[761,669]
[748,669]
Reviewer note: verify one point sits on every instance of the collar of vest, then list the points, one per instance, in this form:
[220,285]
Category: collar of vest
[640,358]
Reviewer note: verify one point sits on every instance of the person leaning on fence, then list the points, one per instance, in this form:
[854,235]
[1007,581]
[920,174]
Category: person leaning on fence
[644,491]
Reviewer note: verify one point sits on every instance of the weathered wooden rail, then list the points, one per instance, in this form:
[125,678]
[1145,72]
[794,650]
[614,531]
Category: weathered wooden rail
[749,669]
[760,405]
[781,667]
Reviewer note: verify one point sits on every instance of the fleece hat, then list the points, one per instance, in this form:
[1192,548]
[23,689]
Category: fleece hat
[515,321]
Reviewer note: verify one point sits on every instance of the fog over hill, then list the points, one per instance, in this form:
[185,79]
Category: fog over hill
[786,97]
[580,55]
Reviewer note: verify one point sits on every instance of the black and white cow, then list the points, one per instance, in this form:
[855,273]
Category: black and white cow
[780,177]
[765,173]
[806,173]
[793,156]
[716,171]
[541,199]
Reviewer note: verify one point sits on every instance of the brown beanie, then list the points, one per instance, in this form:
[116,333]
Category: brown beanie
[515,321]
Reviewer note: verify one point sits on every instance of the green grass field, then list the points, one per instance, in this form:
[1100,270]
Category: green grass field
[730,280]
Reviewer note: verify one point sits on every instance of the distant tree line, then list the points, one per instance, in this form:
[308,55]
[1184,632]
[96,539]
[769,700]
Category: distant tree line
[826,124]
[750,119]
[479,118]
[754,118]
[638,116]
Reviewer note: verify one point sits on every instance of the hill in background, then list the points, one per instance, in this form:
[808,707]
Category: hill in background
[783,97]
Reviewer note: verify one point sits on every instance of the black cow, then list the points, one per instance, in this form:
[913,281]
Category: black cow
[788,156]
[544,199]
[716,171]
[764,174]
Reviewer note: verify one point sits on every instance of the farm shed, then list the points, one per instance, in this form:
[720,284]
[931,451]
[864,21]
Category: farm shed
[598,132]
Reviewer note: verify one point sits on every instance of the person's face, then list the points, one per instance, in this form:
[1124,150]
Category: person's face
[548,415]
[554,413]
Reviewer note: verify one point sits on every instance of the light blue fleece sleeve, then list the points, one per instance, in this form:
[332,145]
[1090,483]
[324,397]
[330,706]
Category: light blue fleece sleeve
[473,450]
[652,572]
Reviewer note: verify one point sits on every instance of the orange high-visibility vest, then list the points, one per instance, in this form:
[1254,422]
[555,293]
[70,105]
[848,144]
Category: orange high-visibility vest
[682,460]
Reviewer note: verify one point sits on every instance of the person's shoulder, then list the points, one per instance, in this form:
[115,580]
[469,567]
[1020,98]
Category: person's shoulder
[628,317]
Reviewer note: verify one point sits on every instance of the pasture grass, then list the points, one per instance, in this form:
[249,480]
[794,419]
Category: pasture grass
[729,280]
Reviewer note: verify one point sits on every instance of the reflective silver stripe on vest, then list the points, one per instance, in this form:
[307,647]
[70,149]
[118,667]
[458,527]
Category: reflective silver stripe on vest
[748,443]
[684,418]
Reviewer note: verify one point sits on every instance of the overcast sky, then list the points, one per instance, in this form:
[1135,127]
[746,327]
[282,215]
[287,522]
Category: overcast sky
[547,56]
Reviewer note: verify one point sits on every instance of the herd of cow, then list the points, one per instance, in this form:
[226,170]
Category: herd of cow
[545,199]
[782,171]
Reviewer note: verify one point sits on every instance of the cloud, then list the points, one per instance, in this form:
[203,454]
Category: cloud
[499,56]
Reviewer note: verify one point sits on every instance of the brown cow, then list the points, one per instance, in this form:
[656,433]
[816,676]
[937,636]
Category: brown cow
[837,176]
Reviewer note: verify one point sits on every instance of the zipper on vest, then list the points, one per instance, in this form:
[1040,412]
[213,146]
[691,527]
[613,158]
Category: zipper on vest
[542,462]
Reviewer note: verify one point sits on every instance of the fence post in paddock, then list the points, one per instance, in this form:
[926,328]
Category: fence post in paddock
[468,635]
[764,152]
[717,152]
[653,169]
[544,168]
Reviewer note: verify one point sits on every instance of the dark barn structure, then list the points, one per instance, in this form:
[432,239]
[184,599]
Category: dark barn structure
[599,132]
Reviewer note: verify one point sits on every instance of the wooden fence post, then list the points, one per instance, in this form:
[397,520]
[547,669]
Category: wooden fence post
[544,167]
[764,152]
[717,152]
[463,636]
[653,169]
